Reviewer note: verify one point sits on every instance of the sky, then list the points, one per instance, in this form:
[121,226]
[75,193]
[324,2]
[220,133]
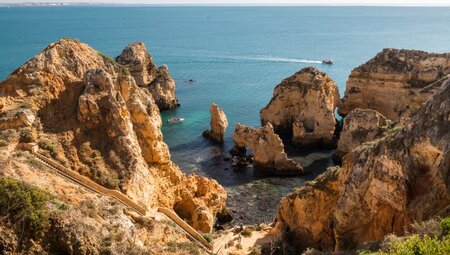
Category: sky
[256,2]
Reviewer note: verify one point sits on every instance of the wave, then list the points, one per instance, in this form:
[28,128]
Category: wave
[271,59]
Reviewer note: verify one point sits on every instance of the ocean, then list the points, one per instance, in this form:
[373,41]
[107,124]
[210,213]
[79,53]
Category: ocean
[236,56]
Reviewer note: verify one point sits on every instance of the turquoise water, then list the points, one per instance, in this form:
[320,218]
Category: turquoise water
[236,55]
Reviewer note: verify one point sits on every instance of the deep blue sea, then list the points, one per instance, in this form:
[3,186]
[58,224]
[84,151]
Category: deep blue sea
[236,55]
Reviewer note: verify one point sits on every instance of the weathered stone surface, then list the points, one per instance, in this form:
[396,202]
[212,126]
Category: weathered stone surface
[146,74]
[381,188]
[267,149]
[360,126]
[92,117]
[303,107]
[395,82]
[219,124]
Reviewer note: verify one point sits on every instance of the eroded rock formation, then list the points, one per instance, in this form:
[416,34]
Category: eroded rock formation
[146,74]
[93,118]
[219,124]
[360,126]
[303,107]
[267,149]
[381,188]
[395,82]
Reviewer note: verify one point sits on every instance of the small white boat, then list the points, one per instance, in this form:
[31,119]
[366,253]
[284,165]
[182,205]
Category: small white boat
[327,62]
[175,120]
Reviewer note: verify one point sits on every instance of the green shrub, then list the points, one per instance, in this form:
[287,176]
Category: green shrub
[421,246]
[25,206]
[208,237]
[48,145]
[445,226]
[186,246]
[246,232]
[238,246]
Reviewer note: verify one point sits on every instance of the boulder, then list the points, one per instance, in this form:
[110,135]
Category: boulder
[302,107]
[267,148]
[146,74]
[219,124]
[382,187]
[395,82]
[360,126]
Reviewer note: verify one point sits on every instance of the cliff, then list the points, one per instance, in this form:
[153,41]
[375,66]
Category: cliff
[302,107]
[395,82]
[382,187]
[360,126]
[146,74]
[87,113]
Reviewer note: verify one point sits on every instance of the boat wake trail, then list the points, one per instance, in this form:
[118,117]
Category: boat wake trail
[271,59]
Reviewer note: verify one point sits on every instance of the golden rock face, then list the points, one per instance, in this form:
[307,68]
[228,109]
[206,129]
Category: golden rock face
[302,107]
[381,188]
[90,112]
[395,82]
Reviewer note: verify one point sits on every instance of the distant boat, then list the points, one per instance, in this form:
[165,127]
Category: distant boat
[327,62]
[175,120]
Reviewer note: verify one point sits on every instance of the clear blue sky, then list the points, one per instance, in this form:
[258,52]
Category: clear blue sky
[275,2]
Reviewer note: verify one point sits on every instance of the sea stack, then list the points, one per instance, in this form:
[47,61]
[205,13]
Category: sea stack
[395,82]
[219,124]
[146,74]
[267,148]
[302,107]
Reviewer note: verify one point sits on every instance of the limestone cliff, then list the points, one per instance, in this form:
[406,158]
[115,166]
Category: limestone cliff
[146,74]
[302,107]
[395,82]
[267,148]
[381,188]
[360,126]
[89,114]
[219,124]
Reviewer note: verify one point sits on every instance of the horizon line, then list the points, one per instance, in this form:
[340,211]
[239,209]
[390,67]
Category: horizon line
[62,4]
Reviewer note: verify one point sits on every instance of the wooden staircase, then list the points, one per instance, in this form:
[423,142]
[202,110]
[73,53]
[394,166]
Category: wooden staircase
[118,196]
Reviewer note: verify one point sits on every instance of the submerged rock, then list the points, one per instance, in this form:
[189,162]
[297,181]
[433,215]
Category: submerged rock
[395,82]
[382,187]
[302,107]
[219,124]
[146,74]
[360,126]
[267,148]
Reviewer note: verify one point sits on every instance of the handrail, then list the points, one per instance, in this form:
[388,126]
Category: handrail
[86,182]
[186,227]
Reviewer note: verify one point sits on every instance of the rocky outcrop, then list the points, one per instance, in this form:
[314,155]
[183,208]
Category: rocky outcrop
[93,118]
[146,74]
[381,188]
[22,118]
[267,149]
[360,126]
[395,82]
[219,124]
[302,107]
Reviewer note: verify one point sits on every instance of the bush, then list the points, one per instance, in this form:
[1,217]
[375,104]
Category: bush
[445,226]
[208,237]
[417,245]
[246,232]
[25,206]
[48,145]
